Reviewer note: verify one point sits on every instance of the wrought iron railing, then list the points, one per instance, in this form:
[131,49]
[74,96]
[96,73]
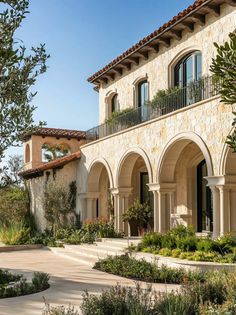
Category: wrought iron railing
[196,91]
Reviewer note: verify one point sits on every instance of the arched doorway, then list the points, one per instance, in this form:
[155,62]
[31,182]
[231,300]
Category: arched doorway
[204,200]
[99,198]
[184,197]
[134,175]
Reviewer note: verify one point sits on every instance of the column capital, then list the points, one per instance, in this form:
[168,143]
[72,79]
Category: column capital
[162,187]
[122,191]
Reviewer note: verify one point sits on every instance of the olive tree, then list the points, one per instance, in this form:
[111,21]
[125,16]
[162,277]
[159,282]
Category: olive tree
[19,70]
[224,68]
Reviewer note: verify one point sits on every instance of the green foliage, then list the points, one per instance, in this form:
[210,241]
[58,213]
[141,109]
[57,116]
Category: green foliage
[52,152]
[182,243]
[119,301]
[40,281]
[116,115]
[14,234]
[165,97]
[19,73]
[138,212]
[224,68]
[15,285]
[176,303]
[59,310]
[59,204]
[9,173]
[129,267]
[14,205]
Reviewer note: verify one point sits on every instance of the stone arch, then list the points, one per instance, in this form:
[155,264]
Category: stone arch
[132,155]
[94,171]
[182,168]
[225,158]
[183,139]
[99,185]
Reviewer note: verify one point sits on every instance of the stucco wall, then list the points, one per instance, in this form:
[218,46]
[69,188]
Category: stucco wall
[37,185]
[159,66]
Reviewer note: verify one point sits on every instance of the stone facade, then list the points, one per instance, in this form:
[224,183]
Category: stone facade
[183,153]
[168,148]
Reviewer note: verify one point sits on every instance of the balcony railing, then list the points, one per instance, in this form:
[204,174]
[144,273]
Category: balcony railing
[181,98]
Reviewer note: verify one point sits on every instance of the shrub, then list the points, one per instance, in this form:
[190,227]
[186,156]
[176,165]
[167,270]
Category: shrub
[175,303]
[40,281]
[59,310]
[20,286]
[119,301]
[14,234]
[188,243]
[205,245]
[14,205]
[129,267]
[152,239]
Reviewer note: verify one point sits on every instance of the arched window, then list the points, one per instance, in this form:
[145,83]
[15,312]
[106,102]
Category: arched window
[27,154]
[114,104]
[189,69]
[143,93]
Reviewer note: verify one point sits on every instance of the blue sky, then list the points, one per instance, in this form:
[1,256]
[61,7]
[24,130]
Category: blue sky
[82,36]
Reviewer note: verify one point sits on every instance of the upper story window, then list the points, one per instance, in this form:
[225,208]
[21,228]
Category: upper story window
[143,93]
[114,104]
[189,69]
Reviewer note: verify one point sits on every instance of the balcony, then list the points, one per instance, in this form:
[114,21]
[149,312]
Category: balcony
[183,97]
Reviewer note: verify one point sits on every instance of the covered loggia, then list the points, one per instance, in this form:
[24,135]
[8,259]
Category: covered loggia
[183,195]
[99,187]
[133,176]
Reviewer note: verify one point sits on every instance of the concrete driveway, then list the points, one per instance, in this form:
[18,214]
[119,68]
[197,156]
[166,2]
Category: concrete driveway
[68,281]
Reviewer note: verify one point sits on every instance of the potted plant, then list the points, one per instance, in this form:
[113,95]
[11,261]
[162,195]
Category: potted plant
[138,214]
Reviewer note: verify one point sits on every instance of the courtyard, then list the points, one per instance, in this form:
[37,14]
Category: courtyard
[68,281]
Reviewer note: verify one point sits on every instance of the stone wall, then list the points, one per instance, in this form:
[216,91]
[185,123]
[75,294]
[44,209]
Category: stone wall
[158,69]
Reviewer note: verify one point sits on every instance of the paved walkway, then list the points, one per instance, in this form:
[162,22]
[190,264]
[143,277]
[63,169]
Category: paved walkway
[67,283]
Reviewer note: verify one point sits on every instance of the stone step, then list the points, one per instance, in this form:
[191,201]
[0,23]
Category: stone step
[95,250]
[85,260]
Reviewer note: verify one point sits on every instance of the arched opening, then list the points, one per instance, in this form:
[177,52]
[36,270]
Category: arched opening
[100,201]
[184,195]
[133,177]
[229,188]
[27,153]
[52,151]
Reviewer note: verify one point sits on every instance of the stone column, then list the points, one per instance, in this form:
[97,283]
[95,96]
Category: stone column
[224,210]
[216,211]
[91,205]
[121,203]
[163,205]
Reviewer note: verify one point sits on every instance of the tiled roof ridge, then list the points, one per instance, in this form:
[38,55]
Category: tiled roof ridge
[54,132]
[51,165]
[149,37]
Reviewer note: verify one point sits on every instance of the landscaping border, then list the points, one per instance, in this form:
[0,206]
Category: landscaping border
[10,248]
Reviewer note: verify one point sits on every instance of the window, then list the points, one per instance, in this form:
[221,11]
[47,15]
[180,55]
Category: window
[143,96]
[114,104]
[189,69]
[27,153]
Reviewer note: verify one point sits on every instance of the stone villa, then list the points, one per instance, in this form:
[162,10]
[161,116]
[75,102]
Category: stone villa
[171,152]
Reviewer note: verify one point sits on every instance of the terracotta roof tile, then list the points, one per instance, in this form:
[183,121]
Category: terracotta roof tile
[34,172]
[148,38]
[55,132]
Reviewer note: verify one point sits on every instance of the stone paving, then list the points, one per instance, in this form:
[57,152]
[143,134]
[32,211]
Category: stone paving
[68,281]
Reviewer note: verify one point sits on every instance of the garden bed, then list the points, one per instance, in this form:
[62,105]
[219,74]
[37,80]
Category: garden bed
[12,285]
[181,243]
